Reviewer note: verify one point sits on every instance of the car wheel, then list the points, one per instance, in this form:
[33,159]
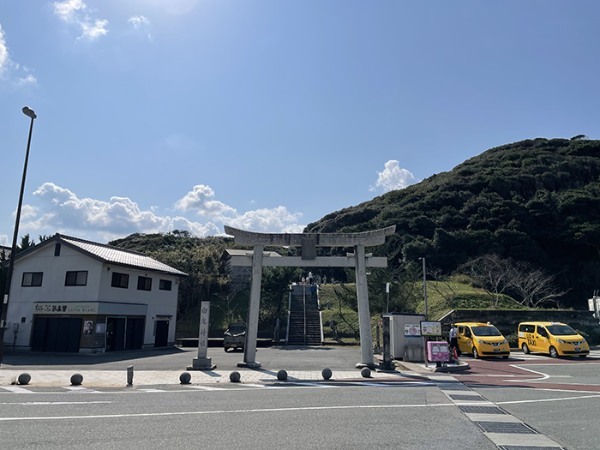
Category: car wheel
[582,356]
[505,357]
[525,348]
[475,353]
[553,352]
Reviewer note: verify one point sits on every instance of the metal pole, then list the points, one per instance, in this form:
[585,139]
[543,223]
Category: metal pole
[387,291]
[11,260]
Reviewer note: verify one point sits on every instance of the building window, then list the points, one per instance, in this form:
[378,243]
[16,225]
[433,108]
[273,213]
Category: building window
[32,279]
[57,249]
[120,280]
[144,284]
[164,285]
[76,278]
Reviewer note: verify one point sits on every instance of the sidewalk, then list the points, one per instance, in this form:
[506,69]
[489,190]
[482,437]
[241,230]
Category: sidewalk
[154,368]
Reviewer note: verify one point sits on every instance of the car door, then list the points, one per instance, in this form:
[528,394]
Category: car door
[465,342]
[542,342]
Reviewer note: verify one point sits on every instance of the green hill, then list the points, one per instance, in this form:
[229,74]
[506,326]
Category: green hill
[535,201]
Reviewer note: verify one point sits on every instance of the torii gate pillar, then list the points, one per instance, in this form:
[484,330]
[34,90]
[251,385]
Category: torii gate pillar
[364,315]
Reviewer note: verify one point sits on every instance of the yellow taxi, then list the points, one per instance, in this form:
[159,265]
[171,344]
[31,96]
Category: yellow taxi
[481,339]
[553,338]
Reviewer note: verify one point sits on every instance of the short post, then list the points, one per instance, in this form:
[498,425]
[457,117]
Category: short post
[130,376]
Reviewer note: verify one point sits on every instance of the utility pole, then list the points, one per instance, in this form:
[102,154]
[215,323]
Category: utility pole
[425,288]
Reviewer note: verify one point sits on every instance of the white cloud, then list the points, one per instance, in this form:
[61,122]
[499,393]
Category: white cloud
[68,9]
[275,220]
[59,210]
[393,177]
[76,12]
[9,70]
[141,24]
[200,200]
[4,59]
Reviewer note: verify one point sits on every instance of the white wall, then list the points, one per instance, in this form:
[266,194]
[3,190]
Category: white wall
[98,288]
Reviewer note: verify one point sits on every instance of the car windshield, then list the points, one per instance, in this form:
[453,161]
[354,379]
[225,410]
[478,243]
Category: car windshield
[561,330]
[236,329]
[487,330]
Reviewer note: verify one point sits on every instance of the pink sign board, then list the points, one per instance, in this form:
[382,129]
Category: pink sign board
[438,351]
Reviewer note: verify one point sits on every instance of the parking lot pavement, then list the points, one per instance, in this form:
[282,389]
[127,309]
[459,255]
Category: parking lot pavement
[164,367]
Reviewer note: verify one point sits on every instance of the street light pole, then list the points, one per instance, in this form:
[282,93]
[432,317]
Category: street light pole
[11,260]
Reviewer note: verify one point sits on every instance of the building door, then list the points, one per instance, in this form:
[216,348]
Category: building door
[56,334]
[134,338]
[161,338]
[115,334]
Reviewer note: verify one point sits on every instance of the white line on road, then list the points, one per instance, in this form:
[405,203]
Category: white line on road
[513,402]
[52,403]
[233,411]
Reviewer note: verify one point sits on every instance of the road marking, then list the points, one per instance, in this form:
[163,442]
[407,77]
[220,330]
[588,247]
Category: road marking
[541,400]
[232,411]
[53,403]
[17,389]
[503,430]
[81,389]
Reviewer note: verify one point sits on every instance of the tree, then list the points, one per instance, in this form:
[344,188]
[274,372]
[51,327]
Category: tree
[492,273]
[26,243]
[532,286]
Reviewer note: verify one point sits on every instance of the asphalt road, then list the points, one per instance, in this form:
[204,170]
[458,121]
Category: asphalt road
[558,398]
[395,416]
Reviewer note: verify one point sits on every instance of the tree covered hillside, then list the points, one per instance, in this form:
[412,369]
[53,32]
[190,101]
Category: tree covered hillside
[535,201]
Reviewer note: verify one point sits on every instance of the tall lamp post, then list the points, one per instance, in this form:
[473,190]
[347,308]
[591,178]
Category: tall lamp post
[11,260]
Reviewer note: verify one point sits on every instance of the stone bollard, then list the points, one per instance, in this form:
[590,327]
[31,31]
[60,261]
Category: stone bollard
[24,378]
[130,376]
[235,377]
[282,375]
[76,379]
[185,378]
[326,373]
[366,372]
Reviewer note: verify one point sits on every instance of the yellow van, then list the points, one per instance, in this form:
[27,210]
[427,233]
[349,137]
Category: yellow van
[554,338]
[481,339]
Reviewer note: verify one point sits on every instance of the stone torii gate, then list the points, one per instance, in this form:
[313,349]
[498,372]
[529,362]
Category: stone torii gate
[308,243]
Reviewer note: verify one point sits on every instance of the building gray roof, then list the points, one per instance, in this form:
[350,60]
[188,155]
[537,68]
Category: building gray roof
[114,255]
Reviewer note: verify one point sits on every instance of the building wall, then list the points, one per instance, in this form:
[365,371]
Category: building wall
[161,304]
[53,289]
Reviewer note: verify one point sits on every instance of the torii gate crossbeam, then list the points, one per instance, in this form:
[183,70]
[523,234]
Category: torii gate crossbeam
[309,241]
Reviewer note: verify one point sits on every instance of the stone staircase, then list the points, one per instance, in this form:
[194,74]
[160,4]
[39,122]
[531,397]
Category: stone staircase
[304,318]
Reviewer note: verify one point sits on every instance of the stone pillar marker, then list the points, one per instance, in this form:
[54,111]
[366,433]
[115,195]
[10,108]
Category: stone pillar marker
[202,362]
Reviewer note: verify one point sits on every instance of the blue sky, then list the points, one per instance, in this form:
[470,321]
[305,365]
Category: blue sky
[266,115]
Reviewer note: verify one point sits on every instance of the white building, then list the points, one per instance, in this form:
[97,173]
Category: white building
[72,295]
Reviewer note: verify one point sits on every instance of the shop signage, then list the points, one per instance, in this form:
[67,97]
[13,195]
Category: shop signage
[65,308]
